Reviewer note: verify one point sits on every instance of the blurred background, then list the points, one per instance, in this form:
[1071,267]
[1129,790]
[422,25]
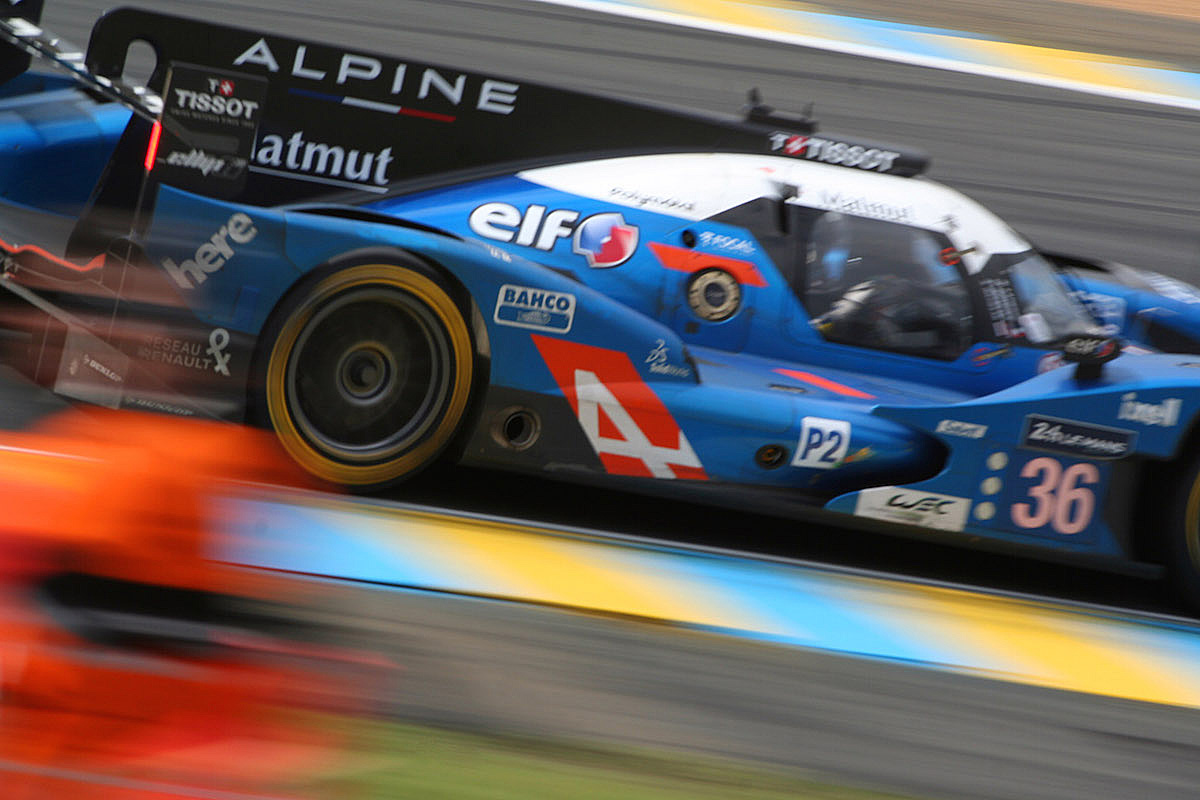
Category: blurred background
[138,661]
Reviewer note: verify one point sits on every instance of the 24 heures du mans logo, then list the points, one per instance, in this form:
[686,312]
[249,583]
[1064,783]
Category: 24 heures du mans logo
[1076,438]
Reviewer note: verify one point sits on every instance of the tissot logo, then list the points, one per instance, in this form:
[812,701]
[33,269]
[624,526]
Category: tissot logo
[215,103]
[375,76]
[814,148]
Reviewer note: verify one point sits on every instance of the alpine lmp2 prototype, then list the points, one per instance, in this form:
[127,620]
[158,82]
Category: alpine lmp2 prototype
[393,262]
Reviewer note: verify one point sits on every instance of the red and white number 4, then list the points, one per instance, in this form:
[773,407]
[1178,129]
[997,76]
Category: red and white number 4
[628,426]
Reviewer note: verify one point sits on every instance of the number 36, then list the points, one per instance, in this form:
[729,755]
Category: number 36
[1060,499]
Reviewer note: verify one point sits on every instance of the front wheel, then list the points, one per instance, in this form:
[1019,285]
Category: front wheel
[1182,546]
[369,375]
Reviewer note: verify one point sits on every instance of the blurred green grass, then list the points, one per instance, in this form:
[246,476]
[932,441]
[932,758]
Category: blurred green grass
[411,761]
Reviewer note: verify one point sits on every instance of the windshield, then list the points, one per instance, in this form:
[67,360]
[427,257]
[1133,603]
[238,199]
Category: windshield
[1028,299]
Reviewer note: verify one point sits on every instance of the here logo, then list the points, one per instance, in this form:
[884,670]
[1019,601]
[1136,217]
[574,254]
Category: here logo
[212,255]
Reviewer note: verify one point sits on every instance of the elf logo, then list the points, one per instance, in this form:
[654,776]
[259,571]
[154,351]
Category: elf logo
[604,239]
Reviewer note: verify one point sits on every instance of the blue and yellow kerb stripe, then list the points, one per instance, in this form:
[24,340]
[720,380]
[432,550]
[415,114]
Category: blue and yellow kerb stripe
[943,628]
[959,51]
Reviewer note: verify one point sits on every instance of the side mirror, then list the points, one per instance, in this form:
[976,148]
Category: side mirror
[1089,353]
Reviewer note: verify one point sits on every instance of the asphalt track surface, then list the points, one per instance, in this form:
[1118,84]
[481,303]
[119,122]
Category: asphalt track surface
[1077,173]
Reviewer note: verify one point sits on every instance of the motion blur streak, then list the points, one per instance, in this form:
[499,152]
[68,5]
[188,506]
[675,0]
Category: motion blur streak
[132,665]
[959,51]
[1008,639]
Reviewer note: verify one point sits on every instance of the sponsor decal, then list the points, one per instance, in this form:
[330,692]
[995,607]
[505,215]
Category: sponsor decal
[604,239]
[91,370]
[203,162]
[88,362]
[391,79]
[659,362]
[730,244]
[189,354]
[218,112]
[823,443]
[1076,438]
[913,507]
[1050,361]
[641,199]
[212,255]
[536,309]
[1002,307]
[865,207]
[1109,311]
[814,148]
[496,252]
[218,340]
[330,162]
[965,430]
[159,405]
[626,423]
[714,295]
[1163,415]
[1171,288]
[220,104]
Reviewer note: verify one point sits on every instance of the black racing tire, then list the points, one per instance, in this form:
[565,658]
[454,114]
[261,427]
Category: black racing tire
[1181,550]
[369,374]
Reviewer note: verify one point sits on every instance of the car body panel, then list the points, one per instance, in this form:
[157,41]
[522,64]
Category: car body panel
[648,294]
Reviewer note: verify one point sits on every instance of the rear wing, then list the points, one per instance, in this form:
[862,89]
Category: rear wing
[329,120]
[26,39]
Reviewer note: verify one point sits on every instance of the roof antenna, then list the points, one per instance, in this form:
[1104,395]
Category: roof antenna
[758,111]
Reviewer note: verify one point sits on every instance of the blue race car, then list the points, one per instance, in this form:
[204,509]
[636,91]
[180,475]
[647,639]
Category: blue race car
[393,262]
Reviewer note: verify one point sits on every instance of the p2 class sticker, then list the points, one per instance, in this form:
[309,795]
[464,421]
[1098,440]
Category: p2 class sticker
[823,443]
[714,295]
[211,119]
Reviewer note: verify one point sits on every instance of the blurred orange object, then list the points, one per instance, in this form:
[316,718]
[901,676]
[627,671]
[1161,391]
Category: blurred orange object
[131,665]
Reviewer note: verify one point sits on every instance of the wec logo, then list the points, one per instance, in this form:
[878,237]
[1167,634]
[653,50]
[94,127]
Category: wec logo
[910,507]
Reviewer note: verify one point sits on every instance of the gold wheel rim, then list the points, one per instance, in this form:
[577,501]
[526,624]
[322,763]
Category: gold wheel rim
[290,434]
